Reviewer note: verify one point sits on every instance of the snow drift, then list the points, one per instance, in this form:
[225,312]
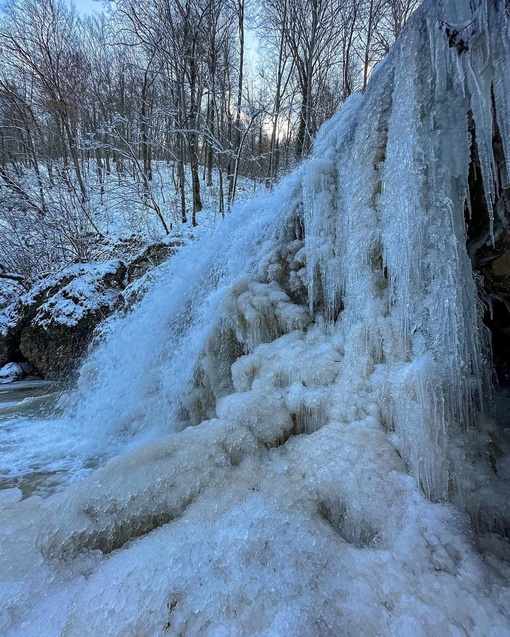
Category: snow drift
[327,343]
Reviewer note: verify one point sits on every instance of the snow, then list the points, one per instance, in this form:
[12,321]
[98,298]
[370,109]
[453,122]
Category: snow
[34,246]
[68,295]
[81,296]
[286,436]
[120,204]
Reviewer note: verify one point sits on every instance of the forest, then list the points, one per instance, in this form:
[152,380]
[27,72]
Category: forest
[159,108]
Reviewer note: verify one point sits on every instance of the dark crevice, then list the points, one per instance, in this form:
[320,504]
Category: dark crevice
[298,428]
[491,259]
[361,534]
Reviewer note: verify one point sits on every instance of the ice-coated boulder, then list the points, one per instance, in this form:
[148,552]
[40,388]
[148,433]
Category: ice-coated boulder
[11,372]
[61,327]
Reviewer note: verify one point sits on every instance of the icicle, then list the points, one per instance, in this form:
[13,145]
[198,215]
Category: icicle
[501,48]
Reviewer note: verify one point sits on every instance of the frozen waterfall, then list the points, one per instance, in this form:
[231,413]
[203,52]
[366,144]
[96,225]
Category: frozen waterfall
[327,345]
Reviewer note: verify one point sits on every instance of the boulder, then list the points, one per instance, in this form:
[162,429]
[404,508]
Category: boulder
[58,334]
[151,257]
[10,332]
[6,348]
[11,372]
[51,325]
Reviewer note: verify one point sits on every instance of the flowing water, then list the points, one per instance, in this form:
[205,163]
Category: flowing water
[28,438]
[133,386]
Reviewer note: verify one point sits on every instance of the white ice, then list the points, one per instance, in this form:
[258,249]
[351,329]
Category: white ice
[297,406]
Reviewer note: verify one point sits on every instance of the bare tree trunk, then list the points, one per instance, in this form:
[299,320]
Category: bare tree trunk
[193,143]
[366,60]
[347,49]
[209,156]
[274,150]
[75,159]
[237,128]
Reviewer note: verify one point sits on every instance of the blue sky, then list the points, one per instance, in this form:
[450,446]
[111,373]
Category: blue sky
[87,6]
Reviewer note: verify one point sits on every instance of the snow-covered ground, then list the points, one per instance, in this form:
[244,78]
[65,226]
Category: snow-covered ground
[118,219]
[325,342]
[120,205]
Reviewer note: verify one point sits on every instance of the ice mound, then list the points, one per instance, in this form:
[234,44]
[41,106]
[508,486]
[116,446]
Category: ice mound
[325,533]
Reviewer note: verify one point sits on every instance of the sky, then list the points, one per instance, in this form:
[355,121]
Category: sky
[87,6]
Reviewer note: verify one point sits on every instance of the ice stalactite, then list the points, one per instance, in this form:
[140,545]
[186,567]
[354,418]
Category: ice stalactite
[385,226]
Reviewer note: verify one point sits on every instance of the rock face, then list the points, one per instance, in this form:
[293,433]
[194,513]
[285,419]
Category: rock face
[490,255]
[51,326]
[149,258]
[8,344]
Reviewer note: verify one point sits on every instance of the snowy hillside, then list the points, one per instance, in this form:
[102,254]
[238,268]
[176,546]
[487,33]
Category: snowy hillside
[296,408]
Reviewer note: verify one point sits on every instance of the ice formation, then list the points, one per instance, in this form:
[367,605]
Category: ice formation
[326,343]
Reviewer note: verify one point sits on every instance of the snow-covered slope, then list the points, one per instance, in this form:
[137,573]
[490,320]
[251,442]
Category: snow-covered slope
[327,343]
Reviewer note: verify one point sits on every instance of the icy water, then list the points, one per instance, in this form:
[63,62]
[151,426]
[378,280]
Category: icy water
[13,394]
[22,406]
[38,451]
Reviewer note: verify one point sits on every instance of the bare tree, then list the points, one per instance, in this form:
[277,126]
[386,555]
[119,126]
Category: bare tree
[311,31]
[43,38]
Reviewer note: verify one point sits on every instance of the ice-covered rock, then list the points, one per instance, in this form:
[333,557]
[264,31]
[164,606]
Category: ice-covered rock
[11,372]
[51,325]
[59,319]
